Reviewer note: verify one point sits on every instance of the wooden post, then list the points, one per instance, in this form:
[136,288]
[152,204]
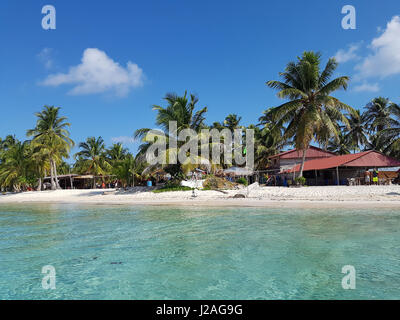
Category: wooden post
[316,179]
[337,176]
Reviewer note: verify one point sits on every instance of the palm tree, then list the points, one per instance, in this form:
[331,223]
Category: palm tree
[390,137]
[92,158]
[232,122]
[64,168]
[340,144]
[129,169]
[266,143]
[182,110]
[5,144]
[117,152]
[40,162]
[378,114]
[51,135]
[311,111]
[9,141]
[357,134]
[15,168]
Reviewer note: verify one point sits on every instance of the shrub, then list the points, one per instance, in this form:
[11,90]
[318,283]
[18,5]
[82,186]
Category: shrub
[216,183]
[300,181]
[242,181]
[174,188]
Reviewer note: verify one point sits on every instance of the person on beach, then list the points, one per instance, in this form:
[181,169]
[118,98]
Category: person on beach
[375,176]
[367,177]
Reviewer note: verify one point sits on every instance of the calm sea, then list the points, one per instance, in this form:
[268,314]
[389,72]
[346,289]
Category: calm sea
[122,252]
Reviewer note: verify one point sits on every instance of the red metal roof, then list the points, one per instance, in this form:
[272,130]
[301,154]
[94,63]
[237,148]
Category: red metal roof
[312,152]
[363,159]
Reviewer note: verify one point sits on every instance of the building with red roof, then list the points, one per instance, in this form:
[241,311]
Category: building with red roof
[339,169]
[287,159]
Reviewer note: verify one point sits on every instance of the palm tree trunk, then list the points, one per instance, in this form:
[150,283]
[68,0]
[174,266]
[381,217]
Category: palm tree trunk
[53,185]
[39,187]
[55,175]
[302,162]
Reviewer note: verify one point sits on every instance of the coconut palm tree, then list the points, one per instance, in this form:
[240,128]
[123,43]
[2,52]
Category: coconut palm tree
[5,145]
[266,143]
[378,114]
[117,152]
[128,170]
[180,109]
[92,158]
[357,135]
[40,163]
[340,144]
[15,170]
[311,111]
[51,135]
[232,122]
[390,137]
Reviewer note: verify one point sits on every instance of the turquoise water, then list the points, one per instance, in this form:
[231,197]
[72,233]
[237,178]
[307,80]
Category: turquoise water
[118,252]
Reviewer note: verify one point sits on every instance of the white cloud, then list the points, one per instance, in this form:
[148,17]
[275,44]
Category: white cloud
[45,57]
[350,54]
[98,73]
[123,139]
[385,59]
[368,87]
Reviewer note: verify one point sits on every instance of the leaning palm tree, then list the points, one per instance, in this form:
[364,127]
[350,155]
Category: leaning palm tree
[311,111]
[92,158]
[51,134]
[180,109]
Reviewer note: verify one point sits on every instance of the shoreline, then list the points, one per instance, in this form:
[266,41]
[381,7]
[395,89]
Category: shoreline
[260,197]
[275,204]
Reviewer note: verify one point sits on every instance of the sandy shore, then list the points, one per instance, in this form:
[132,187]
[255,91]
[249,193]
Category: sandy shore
[324,196]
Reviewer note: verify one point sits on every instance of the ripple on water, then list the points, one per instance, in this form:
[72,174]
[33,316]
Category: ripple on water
[193,253]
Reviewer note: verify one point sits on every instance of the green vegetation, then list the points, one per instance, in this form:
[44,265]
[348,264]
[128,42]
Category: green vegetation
[182,110]
[311,112]
[301,181]
[216,183]
[310,115]
[51,140]
[242,181]
[169,189]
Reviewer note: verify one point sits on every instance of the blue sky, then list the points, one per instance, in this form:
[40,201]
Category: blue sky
[224,51]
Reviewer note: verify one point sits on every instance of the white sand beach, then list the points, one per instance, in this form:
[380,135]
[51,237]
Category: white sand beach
[321,196]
